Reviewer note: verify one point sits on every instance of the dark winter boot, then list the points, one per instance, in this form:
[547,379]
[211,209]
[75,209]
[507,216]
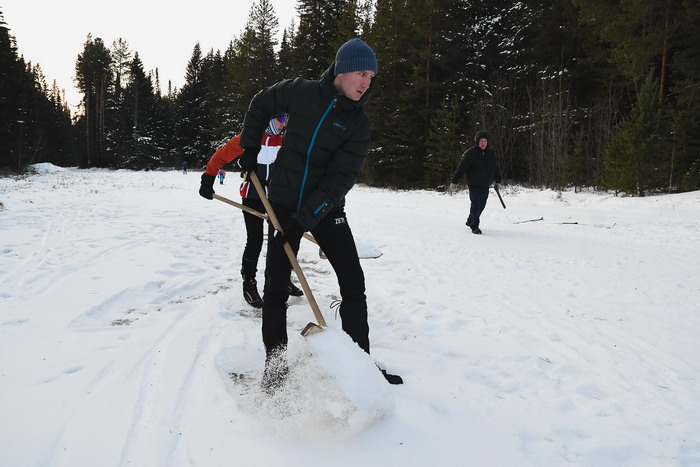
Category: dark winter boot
[250,293]
[469,222]
[293,290]
[476,230]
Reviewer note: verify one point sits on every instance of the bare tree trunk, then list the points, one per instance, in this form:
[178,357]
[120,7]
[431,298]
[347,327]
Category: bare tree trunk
[673,163]
[428,61]
[101,123]
[550,126]
[88,127]
[664,59]
[136,125]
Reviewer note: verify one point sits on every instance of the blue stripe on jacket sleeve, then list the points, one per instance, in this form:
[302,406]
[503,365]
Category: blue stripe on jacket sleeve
[323,205]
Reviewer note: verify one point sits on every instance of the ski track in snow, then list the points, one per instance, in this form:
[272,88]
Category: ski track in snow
[537,343]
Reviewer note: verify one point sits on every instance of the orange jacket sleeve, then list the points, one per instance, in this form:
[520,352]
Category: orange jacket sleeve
[224,154]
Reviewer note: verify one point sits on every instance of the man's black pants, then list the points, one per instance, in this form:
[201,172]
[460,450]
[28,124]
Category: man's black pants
[478,197]
[335,238]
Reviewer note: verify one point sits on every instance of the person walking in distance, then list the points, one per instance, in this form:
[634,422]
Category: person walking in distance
[325,147]
[270,144]
[479,164]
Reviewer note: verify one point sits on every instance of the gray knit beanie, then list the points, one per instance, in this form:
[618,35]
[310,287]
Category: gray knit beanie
[355,55]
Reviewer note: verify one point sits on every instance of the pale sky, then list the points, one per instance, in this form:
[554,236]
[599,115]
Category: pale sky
[164,33]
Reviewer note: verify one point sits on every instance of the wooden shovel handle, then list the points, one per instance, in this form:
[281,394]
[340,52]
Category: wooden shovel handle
[257,213]
[288,249]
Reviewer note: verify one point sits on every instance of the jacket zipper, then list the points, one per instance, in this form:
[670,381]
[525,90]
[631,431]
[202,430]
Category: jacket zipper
[308,152]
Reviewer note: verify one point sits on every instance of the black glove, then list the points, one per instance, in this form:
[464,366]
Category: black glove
[207,187]
[247,161]
[292,233]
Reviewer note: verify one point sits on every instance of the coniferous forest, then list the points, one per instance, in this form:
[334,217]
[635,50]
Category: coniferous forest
[575,93]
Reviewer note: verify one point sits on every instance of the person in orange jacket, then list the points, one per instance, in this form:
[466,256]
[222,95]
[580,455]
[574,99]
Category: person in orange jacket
[270,145]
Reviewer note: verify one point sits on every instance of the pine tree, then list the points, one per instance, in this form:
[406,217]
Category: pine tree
[251,61]
[408,91]
[122,56]
[685,86]
[638,157]
[34,124]
[139,108]
[41,117]
[165,114]
[195,123]
[444,144]
[389,110]
[59,129]
[640,34]
[11,115]
[234,97]
[94,78]
[216,75]
[317,35]
[119,117]
[348,24]
[285,57]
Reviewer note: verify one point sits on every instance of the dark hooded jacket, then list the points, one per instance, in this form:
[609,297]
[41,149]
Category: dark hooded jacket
[480,166]
[323,149]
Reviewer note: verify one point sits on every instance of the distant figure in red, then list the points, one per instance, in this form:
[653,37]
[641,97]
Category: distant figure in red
[222,175]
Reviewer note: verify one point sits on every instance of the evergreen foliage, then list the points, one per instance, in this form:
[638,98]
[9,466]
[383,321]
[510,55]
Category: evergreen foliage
[445,144]
[316,36]
[637,160]
[194,122]
[252,61]
[595,93]
[394,162]
[34,120]
[94,79]
[139,105]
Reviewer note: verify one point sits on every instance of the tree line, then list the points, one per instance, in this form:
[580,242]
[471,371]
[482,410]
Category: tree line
[575,93]
[35,121]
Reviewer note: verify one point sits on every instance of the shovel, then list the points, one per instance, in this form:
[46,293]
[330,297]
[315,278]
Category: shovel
[256,213]
[351,368]
[365,250]
[310,328]
[498,192]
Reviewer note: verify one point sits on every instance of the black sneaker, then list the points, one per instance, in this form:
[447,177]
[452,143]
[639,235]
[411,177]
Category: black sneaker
[476,230]
[392,379]
[250,293]
[293,290]
[469,222]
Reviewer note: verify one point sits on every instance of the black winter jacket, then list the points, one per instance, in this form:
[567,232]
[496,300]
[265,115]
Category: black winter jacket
[323,149]
[480,167]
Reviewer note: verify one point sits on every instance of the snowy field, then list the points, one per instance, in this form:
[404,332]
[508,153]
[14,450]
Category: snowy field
[542,343]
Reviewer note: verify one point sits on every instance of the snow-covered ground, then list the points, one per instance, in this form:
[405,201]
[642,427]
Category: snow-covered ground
[540,343]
